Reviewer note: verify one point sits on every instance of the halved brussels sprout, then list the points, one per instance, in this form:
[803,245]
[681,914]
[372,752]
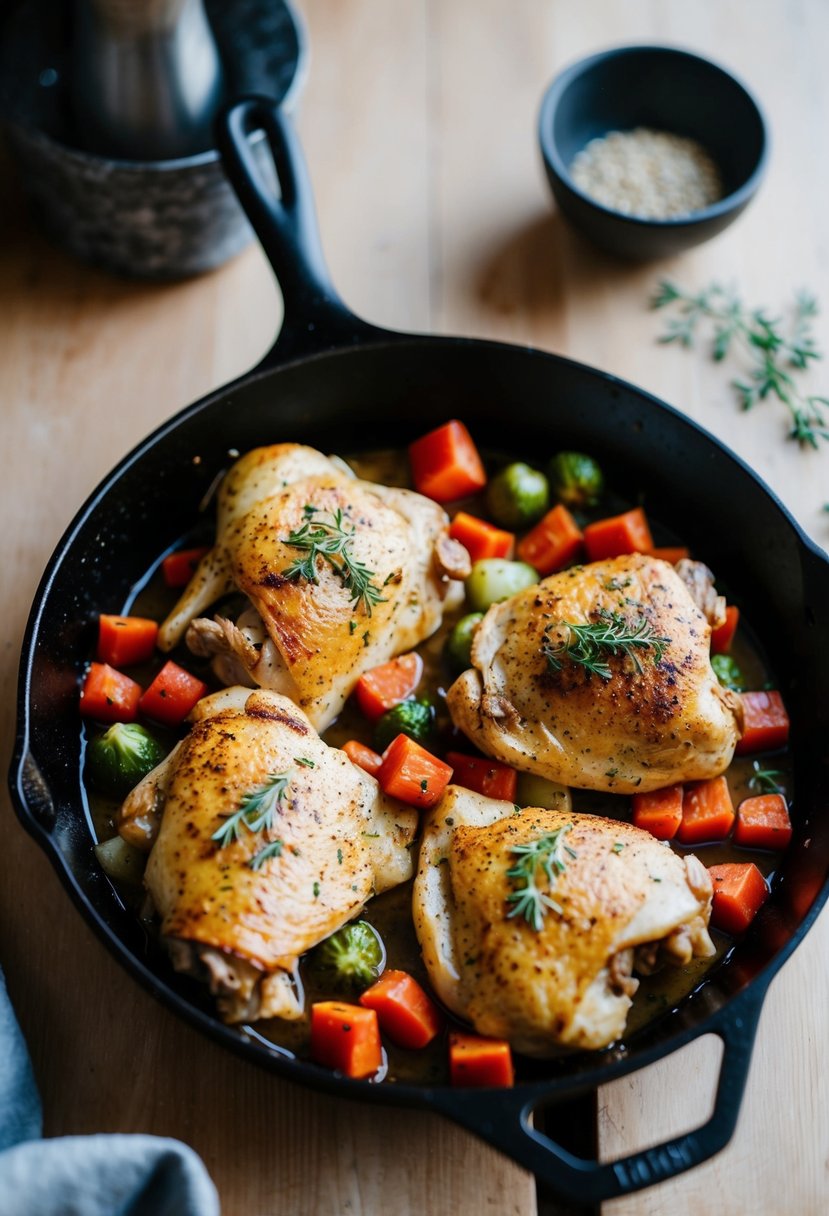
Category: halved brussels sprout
[517,496]
[575,479]
[118,759]
[493,579]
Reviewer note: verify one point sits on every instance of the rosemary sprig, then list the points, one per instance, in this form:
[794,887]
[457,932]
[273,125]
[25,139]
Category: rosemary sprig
[256,813]
[545,853]
[765,780]
[587,644]
[274,849]
[329,538]
[774,351]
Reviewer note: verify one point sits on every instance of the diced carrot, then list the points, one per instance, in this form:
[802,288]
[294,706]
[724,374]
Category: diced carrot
[617,535]
[178,568]
[474,1061]
[670,553]
[765,722]
[405,1013]
[363,756]
[445,463]
[659,812]
[739,893]
[125,639]
[723,635]
[412,774]
[481,539]
[172,695]
[385,686]
[484,776]
[108,695]
[553,542]
[763,822]
[346,1037]
[707,812]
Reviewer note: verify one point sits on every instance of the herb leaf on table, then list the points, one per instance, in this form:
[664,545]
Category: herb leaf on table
[773,349]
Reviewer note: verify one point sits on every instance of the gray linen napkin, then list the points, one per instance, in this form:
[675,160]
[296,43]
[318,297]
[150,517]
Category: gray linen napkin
[85,1175]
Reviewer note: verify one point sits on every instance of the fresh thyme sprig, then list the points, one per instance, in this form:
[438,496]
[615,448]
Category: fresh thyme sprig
[774,352]
[328,538]
[256,813]
[588,643]
[765,780]
[529,900]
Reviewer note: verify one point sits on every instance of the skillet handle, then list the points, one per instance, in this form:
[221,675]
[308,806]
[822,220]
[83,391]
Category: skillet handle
[283,216]
[503,1119]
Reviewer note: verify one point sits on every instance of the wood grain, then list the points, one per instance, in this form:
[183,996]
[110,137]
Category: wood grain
[418,120]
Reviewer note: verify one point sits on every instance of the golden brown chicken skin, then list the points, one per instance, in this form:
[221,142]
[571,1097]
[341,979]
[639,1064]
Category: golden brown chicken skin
[311,638]
[245,904]
[660,717]
[619,900]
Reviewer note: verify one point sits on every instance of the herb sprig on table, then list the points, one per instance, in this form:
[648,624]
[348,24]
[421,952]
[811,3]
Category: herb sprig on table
[545,853]
[588,644]
[774,349]
[329,538]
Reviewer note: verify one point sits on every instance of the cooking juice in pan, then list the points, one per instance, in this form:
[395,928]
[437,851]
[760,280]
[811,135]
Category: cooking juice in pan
[390,913]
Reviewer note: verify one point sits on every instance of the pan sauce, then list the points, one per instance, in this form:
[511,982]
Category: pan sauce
[391,912]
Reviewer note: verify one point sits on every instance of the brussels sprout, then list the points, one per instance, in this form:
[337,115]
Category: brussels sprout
[118,759]
[121,861]
[728,672]
[415,718]
[350,959]
[517,496]
[575,479]
[457,649]
[493,579]
[538,791]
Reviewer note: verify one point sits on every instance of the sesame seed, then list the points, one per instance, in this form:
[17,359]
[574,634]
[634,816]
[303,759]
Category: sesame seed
[647,173]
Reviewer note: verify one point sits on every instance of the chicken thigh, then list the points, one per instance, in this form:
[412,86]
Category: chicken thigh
[263,841]
[531,922]
[651,711]
[341,575]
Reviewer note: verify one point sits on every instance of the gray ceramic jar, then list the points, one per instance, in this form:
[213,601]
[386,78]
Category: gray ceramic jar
[155,219]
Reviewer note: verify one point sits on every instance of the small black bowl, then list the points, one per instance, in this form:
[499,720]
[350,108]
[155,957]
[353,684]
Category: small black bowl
[668,90]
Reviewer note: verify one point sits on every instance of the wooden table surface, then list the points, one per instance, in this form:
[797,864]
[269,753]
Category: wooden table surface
[418,121]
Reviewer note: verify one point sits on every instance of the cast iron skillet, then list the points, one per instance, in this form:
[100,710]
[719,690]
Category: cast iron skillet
[340,384]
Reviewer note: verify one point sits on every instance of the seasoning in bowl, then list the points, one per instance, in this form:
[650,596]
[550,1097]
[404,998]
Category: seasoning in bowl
[647,173]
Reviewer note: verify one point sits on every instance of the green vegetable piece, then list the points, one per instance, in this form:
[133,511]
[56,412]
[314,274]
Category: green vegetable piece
[457,649]
[350,959]
[415,718]
[517,496]
[118,759]
[538,791]
[494,579]
[575,479]
[728,672]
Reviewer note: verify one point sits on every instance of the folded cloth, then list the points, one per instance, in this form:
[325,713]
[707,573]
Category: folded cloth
[85,1175]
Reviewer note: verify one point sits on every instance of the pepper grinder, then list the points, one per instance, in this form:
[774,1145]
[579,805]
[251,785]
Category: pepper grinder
[146,78]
